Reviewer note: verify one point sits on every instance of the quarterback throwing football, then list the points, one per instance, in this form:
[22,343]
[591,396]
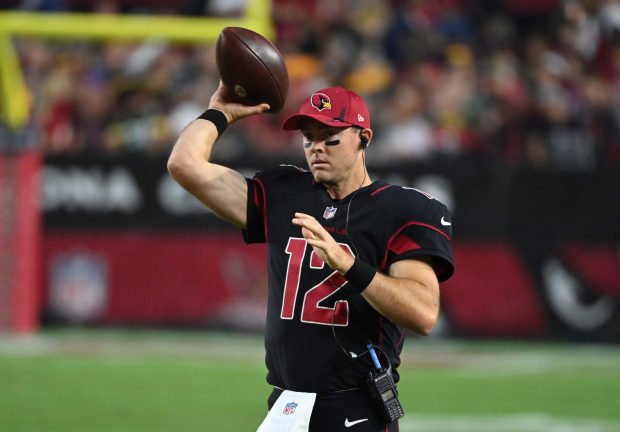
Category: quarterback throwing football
[353,261]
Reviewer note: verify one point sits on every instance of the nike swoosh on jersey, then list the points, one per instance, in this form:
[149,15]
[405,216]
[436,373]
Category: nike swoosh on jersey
[348,423]
[445,222]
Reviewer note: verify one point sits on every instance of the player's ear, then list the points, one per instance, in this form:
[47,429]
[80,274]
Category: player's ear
[365,137]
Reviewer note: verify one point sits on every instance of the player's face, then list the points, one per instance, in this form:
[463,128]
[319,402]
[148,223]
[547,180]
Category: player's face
[331,152]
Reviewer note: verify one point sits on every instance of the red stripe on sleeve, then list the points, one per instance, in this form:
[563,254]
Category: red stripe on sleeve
[394,238]
[403,244]
[262,205]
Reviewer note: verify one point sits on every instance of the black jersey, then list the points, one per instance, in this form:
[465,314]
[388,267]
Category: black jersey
[380,224]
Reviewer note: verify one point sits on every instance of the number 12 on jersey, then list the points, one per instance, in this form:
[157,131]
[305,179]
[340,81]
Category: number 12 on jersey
[311,311]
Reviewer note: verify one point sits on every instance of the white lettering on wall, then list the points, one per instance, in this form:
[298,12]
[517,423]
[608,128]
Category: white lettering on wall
[90,190]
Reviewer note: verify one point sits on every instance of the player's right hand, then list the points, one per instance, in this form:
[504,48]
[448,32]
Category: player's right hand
[323,243]
[221,100]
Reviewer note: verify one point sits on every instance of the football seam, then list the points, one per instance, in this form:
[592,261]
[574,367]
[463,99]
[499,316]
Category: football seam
[263,63]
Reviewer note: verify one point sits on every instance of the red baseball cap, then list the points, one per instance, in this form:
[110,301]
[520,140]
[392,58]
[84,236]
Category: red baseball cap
[333,106]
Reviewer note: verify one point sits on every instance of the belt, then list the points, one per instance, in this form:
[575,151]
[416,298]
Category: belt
[325,395]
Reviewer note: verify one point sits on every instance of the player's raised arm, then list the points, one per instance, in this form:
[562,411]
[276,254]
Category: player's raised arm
[220,188]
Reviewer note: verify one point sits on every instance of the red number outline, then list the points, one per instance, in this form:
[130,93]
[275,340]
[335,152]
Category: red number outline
[293,273]
[311,312]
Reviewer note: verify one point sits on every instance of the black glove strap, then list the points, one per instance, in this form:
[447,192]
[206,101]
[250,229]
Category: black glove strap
[359,276]
[216,117]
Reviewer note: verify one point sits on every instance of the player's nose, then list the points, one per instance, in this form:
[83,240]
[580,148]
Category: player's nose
[317,145]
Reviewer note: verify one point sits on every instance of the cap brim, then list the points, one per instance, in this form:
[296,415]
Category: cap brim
[294,122]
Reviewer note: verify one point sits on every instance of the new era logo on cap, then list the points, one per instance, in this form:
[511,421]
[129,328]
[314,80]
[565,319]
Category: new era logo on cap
[333,106]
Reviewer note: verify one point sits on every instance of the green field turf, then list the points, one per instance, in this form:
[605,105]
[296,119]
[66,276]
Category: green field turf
[138,381]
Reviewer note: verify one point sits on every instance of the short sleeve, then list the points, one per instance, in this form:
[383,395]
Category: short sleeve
[428,235]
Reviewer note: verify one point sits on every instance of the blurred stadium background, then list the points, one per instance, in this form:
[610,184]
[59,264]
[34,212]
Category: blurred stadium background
[126,306]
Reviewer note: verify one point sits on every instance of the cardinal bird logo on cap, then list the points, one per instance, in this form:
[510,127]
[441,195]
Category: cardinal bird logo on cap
[321,101]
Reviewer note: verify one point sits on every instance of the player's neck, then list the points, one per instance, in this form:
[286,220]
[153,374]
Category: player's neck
[347,186]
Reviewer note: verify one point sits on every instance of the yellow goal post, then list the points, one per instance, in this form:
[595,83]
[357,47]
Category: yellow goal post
[14,103]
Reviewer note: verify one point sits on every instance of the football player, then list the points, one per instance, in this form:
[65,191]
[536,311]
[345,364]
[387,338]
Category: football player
[353,261]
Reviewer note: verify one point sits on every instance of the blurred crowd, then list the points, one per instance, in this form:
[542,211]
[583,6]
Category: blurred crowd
[522,82]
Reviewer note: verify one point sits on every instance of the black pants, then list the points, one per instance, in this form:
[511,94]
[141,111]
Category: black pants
[349,411]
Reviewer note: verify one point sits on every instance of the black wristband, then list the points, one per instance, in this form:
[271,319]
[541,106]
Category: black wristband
[359,277]
[216,117]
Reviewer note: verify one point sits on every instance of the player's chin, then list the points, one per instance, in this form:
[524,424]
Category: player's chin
[320,175]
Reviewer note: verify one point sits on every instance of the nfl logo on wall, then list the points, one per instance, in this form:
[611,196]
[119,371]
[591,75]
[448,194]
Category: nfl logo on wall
[290,408]
[329,212]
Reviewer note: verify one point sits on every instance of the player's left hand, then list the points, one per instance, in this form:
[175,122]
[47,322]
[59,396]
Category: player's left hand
[324,245]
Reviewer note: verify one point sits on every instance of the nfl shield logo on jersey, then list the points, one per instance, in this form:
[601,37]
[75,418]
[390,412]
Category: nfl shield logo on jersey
[329,212]
[290,408]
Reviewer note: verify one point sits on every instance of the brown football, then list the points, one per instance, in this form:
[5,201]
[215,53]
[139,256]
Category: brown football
[252,67]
